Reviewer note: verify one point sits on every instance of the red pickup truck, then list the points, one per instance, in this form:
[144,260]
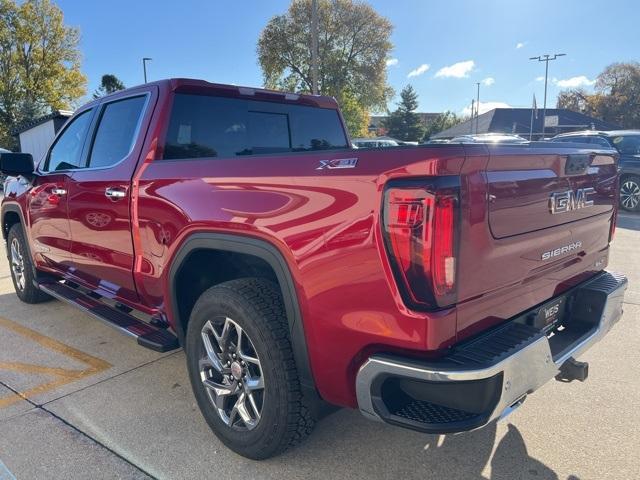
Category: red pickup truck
[431,287]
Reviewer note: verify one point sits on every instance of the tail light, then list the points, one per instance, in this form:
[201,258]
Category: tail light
[421,229]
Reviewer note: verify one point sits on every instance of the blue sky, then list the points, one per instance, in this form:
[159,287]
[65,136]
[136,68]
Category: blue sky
[460,42]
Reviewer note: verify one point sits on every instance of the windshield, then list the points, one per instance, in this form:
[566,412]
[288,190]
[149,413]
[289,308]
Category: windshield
[627,144]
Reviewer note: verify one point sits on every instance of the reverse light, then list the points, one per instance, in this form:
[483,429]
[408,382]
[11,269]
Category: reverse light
[420,226]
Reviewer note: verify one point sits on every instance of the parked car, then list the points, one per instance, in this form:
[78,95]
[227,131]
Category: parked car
[374,142]
[489,138]
[627,143]
[436,141]
[297,273]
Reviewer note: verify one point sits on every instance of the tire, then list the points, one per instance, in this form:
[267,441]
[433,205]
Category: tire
[21,267]
[630,193]
[250,309]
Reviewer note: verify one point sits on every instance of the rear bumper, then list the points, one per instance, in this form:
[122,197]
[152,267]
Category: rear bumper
[490,376]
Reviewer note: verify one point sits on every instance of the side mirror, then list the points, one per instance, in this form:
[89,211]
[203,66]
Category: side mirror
[16,164]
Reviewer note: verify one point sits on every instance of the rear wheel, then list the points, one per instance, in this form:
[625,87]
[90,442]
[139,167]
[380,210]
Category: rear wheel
[630,193]
[242,369]
[22,267]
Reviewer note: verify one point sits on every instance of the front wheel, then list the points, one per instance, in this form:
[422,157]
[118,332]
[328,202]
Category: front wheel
[22,267]
[630,193]
[242,370]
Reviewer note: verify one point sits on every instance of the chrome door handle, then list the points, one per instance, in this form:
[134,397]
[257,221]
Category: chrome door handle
[58,191]
[115,193]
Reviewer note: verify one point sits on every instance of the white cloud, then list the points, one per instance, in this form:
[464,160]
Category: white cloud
[540,79]
[419,71]
[487,82]
[485,107]
[457,70]
[391,62]
[519,45]
[574,82]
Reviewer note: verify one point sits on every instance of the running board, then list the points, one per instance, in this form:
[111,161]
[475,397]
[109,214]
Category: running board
[146,335]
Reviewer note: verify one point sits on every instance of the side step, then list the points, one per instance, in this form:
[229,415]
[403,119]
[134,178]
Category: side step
[146,335]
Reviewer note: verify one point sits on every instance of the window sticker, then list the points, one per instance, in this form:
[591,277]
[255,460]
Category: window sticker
[184,134]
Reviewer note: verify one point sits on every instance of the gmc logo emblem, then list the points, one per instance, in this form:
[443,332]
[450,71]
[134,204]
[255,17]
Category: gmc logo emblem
[568,201]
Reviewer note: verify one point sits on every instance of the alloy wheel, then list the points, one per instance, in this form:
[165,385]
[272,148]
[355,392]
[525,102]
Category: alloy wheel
[17,264]
[231,373]
[630,194]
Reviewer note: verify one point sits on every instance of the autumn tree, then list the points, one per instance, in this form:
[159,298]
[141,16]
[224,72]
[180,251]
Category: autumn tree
[108,84]
[404,123]
[616,98]
[353,45]
[442,122]
[39,63]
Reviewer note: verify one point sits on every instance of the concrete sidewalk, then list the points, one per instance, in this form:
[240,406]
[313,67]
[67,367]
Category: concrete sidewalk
[93,404]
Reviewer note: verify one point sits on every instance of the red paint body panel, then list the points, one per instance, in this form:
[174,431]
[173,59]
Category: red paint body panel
[327,226]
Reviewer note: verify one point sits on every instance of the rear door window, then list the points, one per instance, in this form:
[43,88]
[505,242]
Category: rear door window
[207,126]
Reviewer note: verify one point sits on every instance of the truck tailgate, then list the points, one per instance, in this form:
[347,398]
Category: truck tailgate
[536,222]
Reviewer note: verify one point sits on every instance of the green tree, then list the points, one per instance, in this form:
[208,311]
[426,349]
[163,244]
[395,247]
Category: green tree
[441,122]
[353,45]
[616,98]
[355,115]
[404,123]
[108,84]
[39,63]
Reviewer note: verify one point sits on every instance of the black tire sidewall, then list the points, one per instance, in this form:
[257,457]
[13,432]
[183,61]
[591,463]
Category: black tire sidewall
[256,443]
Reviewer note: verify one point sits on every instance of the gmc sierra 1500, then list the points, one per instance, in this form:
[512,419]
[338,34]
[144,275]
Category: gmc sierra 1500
[432,287]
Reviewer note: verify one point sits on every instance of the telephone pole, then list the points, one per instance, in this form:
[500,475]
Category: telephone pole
[546,59]
[478,108]
[314,47]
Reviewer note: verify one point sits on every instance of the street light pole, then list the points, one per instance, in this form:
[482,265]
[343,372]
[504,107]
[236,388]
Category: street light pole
[546,59]
[478,108]
[144,67]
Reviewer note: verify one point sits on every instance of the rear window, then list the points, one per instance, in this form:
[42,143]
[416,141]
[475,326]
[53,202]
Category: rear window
[206,126]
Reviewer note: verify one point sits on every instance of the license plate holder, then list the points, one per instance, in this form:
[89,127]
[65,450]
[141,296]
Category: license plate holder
[549,315]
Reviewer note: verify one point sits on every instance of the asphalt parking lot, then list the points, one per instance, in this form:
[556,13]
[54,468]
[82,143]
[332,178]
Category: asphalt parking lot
[78,400]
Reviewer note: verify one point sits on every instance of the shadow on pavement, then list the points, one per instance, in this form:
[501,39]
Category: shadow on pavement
[380,451]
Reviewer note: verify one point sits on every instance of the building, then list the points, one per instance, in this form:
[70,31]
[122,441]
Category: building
[518,121]
[376,126]
[37,135]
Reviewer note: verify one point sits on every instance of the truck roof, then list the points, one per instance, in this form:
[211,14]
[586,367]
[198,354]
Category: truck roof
[191,85]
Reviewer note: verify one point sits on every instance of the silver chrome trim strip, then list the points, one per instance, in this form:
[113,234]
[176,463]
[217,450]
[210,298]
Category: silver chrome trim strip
[524,371]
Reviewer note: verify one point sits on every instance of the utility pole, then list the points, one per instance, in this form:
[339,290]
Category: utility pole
[144,67]
[473,101]
[314,46]
[546,59]
[478,108]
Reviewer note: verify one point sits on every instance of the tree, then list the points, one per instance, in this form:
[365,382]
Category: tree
[39,63]
[404,124]
[616,98]
[108,84]
[353,45]
[618,89]
[442,122]
[577,100]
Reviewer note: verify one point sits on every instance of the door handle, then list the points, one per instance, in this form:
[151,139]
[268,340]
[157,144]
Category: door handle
[58,191]
[115,193]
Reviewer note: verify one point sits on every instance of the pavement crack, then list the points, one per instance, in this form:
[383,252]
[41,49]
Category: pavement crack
[98,442]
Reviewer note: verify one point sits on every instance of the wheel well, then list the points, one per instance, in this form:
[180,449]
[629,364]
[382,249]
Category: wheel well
[203,269]
[9,220]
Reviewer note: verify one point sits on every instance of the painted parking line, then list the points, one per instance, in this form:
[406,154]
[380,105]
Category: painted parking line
[5,473]
[61,376]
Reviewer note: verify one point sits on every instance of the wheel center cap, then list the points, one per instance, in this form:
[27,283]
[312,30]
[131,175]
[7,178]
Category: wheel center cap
[236,370]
